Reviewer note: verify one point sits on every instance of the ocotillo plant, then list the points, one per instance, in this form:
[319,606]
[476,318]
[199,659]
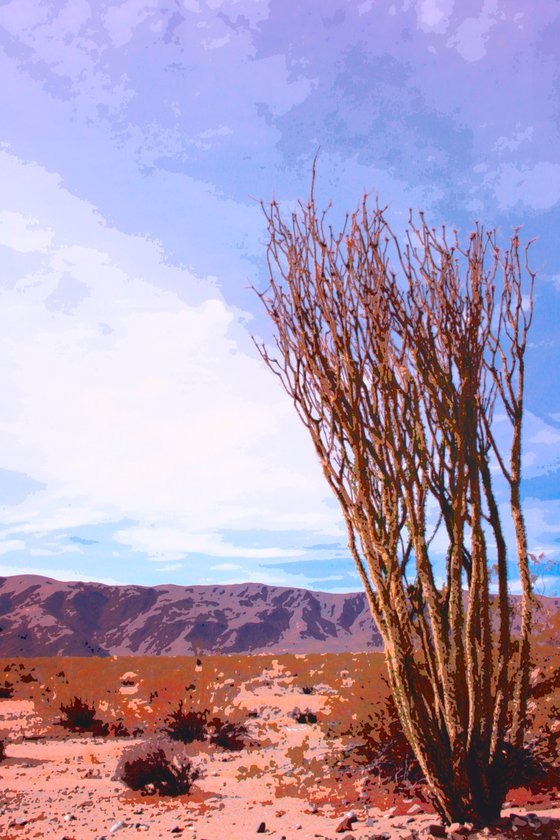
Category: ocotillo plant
[399,356]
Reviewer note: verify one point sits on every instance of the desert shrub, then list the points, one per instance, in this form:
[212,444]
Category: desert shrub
[228,735]
[158,766]
[377,740]
[186,725]
[307,689]
[118,729]
[6,690]
[79,716]
[538,766]
[305,716]
[28,678]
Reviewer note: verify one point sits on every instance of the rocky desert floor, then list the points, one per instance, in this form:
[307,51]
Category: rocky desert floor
[301,760]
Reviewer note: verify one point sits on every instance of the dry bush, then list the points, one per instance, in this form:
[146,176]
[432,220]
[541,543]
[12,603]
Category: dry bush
[158,766]
[6,690]
[305,716]
[381,743]
[229,735]
[186,725]
[539,765]
[19,679]
[80,716]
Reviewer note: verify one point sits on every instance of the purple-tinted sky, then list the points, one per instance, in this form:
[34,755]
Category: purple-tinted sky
[141,438]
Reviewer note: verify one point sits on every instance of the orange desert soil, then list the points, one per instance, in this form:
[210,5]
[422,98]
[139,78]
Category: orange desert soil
[61,784]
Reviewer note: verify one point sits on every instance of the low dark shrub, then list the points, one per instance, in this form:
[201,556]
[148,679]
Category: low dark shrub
[379,742]
[79,716]
[307,716]
[186,725]
[2,750]
[538,763]
[228,735]
[158,766]
[6,690]
[118,729]
[307,689]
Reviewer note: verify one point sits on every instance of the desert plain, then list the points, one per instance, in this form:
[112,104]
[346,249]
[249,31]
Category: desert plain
[287,746]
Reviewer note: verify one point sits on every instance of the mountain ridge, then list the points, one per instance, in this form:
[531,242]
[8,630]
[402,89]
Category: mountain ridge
[41,616]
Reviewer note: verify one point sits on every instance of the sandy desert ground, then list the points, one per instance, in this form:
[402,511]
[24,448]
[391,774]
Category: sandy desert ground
[304,769]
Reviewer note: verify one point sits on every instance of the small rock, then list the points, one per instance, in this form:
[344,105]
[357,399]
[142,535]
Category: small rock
[414,809]
[176,830]
[148,790]
[460,829]
[437,830]
[502,822]
[347,823]
[261,828]
[117,827]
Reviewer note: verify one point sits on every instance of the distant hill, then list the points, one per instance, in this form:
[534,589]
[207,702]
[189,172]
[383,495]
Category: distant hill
[44,617]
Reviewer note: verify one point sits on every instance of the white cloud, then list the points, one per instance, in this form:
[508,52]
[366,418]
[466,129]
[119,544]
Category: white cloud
[171,567]
[58,574]
[541,447]
[22,234]
[472,34]
[134,404]
[433,15]
[165,542]
[225,567]
[121,20]
[536,187]
[512,142]
[7,546]
[55,551]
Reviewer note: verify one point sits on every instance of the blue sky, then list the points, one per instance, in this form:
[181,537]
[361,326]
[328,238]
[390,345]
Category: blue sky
[142,440]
